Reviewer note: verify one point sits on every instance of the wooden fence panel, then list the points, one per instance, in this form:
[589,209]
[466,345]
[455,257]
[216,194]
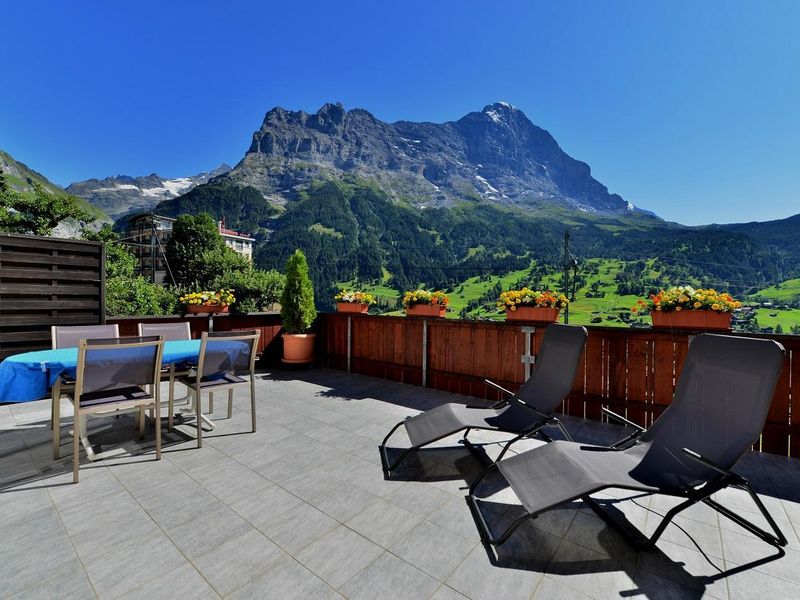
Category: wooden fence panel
[44,282]
[794,431]
[633,371]
[268,325]
[638,379]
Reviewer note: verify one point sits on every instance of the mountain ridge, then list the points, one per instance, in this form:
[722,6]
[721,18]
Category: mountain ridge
[121,194]
[496,155]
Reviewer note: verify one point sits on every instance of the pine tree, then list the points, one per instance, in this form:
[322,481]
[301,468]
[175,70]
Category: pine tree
[297,300]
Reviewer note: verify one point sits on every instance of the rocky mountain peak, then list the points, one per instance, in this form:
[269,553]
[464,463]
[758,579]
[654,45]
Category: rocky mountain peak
[496,154]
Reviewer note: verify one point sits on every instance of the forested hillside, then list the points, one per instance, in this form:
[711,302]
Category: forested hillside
[351,231]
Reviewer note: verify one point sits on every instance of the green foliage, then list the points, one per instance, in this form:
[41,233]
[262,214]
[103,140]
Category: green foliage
[297,299]
[120,262]
[195,238]
[127,296]
[38,211]
[244,208]
[254,289]
[217,263]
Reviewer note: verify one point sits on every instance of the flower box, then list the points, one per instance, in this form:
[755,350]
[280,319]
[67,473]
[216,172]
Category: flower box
[533,314]
[426,310]
[196,309]
[692,319]
[352,307]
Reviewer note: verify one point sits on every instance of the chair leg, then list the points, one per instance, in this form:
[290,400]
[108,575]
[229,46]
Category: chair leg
[56,396]
[56,409]
[158,428]
[171,400]
[253,401]
[388,468]
[198,401]
[483,527]
[230,403]
[76,445]
[210,402]
[142,419]
[778,539]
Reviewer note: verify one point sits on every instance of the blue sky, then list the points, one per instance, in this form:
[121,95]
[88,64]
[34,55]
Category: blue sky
[690,109]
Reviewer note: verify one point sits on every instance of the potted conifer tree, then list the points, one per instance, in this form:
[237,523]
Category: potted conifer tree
[297,311]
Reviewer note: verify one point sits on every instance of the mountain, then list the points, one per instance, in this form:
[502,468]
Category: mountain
[496,155]
[21,177]
[123,194]
[406,204]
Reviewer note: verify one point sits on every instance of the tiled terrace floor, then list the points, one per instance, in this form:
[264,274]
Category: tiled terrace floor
[301,510]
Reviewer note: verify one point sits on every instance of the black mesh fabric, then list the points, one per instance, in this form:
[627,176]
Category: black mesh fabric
[70,336]
[556,363]
[720,405]
[547,387]
[169,332]
[224,355]
[123,367]
[450,418]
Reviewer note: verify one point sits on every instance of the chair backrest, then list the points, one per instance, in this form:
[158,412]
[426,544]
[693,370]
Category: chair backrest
[68,336]
[118,364]
[227,352]
[720,404]
[168,331]
[556,364]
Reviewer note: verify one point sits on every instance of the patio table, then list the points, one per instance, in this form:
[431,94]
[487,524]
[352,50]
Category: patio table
[29,376]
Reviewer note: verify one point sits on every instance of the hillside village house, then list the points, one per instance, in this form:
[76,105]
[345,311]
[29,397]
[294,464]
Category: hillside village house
[150,234]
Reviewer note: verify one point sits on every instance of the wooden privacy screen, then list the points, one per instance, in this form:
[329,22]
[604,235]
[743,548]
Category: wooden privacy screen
[632,371]
[47,281]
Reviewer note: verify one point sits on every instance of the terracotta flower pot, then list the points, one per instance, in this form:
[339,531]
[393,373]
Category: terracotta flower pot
[298,348]
[533,314]
[692,319]
[196,309]
[351,307]
[426,310]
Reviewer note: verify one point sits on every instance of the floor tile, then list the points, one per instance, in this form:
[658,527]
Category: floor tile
[237,561]
[383,523]
[432,549]
[339,555]
[390,577]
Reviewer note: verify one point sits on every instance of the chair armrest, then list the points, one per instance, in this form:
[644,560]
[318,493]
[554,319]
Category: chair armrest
[707,462]
[623,420]
[500,388]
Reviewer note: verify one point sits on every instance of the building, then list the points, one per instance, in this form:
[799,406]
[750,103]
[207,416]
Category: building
[148,235]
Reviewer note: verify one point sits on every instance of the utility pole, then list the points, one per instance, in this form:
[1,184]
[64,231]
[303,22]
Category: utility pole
[570,264]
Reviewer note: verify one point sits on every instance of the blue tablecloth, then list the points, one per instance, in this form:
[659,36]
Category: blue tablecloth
[29,376]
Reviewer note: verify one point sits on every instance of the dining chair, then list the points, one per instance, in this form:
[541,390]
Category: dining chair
[68,336]
[224,357]
[112,375]
[170,332]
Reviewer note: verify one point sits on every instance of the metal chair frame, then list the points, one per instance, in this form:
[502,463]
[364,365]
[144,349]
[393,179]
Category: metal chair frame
[78,437]
[169,374]
[196,390]
[61,386]
[633,536]
[536,429]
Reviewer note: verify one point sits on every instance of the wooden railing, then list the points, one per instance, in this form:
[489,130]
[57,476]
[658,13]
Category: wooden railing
[269,324]
[632,371]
